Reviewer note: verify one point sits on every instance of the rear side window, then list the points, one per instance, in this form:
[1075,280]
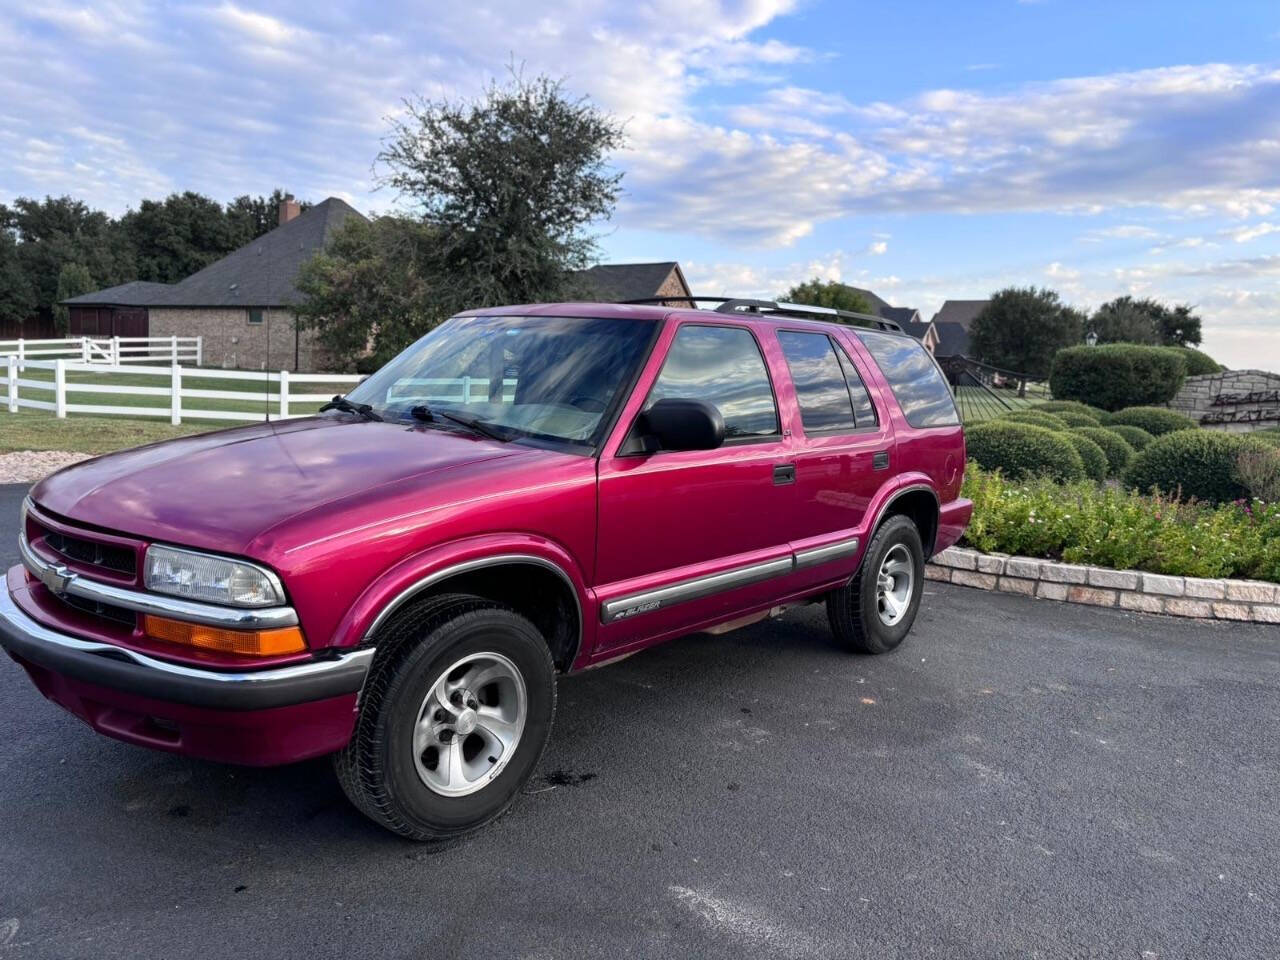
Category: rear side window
[864,411]
[723,366]
[922,392]
[819,381]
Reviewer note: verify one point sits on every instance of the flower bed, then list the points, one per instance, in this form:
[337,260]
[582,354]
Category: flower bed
[1083,523]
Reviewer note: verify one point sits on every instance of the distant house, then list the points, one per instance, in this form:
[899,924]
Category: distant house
[611,282]
[951,324]
[241,304]
[906,317]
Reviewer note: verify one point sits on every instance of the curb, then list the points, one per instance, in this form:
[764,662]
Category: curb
[1249,601]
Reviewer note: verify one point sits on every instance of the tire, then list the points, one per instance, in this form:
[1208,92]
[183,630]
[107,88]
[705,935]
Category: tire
[397,768]
[855,610]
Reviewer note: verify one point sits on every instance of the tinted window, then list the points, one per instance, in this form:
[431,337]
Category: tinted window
[864,411]
[723,366]
[820,386]
[915,379]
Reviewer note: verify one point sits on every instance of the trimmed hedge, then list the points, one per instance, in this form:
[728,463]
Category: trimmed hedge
[1092,454]
[1050,421]
[1198,464]
[1117,451]
[1136,437]
[1021,450]
[1155,420]
[1117,375]
[1198,362]
[1071,406]
[1073,419]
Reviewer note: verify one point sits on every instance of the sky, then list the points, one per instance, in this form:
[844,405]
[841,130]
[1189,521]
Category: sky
[924,150]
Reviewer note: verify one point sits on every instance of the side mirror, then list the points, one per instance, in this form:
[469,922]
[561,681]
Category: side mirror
[679,424]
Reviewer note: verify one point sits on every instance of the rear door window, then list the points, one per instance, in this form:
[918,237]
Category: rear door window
[914,377]
[723,366]
[820,385]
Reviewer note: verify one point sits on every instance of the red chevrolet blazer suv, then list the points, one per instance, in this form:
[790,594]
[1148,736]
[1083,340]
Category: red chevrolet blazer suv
[525,491]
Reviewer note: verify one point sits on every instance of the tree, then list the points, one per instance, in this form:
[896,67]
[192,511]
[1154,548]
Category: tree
[251,217]
[829,293]
[509,183]
[74,279]
[1126,320]
[372,285]
[17,299]
[1020,329]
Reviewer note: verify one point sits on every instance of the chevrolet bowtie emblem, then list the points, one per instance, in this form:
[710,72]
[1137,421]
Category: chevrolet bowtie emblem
[56,577]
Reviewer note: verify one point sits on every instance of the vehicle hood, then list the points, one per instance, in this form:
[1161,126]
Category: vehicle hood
[219,491]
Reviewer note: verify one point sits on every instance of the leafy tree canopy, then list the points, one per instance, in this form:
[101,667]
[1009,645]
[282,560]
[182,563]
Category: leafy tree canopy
[829,293]
[1126,320]
[504,189]
[1021,328]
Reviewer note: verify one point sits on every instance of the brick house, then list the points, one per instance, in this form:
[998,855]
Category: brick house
[611,282]
[240,304]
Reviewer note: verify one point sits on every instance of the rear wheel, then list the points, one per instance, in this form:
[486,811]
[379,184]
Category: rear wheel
[874,611]
[453,719]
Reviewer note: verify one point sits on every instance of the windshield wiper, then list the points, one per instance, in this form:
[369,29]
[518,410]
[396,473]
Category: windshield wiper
[340,402]
[426,414]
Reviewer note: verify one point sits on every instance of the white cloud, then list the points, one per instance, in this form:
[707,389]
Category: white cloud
[1253,232]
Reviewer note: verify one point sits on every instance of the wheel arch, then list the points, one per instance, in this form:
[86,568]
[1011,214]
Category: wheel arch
[919,503]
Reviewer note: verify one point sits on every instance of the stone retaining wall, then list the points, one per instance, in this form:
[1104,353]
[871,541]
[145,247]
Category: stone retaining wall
[1248,600]
[1204,400]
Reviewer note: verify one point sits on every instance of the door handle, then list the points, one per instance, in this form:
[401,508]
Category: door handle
[880,460]
[784,473]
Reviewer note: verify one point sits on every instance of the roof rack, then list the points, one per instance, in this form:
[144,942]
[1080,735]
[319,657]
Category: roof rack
[778,308]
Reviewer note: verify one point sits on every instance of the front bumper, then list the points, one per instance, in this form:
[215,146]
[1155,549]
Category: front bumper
[272,715]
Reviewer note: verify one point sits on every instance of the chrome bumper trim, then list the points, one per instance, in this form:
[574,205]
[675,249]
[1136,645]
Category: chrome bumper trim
[59,579]
[115,666]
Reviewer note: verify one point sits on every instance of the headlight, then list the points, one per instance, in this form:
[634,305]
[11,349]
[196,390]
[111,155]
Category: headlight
[198,576]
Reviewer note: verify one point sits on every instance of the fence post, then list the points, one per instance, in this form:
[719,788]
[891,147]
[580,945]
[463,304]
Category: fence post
[173,349]
[84,349]
[175,401]
[284,394]
[115,351]
[466,390]
[200,351]
[21,356]
[13,384]
[60,388]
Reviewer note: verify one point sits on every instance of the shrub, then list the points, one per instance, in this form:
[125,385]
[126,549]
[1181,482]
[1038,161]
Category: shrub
[1095,460]
[1198,362]
[1071,406]
[1118,375]
[1073,419]
[1271,437]
[1192,463]
[1258,470]
[1021,450]
[1084,523]
[1116,449]
[1136,437]
[1050,421]
[1155,420]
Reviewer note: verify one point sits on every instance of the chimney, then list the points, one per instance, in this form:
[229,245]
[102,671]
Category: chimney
[289,208]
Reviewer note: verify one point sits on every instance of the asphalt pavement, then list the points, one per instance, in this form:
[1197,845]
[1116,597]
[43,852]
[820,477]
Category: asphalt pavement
[1020,779]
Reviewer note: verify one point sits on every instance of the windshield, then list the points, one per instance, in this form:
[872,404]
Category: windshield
[546,378]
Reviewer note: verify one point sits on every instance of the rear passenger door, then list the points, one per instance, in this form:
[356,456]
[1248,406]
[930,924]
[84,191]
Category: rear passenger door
[841,444]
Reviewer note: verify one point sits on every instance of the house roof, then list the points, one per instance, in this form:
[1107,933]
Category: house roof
[878,304]
[262,273]
[900,315]
[953,338]
[960,311]
[630,281]
[915,328]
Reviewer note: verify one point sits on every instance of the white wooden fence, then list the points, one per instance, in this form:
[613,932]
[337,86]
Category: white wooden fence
[257,398]
[111,351]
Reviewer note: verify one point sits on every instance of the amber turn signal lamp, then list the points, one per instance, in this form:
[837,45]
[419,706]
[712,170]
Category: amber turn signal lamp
[245,643]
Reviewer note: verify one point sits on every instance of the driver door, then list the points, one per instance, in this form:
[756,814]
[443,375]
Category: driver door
[687,537]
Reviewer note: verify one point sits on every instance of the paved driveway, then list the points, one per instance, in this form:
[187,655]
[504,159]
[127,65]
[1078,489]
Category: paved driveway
[1023,779]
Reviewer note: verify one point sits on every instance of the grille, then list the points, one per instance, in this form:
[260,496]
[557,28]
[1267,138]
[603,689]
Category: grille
[105,610]
[105,555]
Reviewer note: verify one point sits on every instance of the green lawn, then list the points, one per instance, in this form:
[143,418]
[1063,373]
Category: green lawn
[978,404]
[38,430]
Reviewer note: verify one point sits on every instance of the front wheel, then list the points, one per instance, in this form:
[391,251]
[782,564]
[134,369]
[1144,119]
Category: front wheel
[453,719]
[874,611]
